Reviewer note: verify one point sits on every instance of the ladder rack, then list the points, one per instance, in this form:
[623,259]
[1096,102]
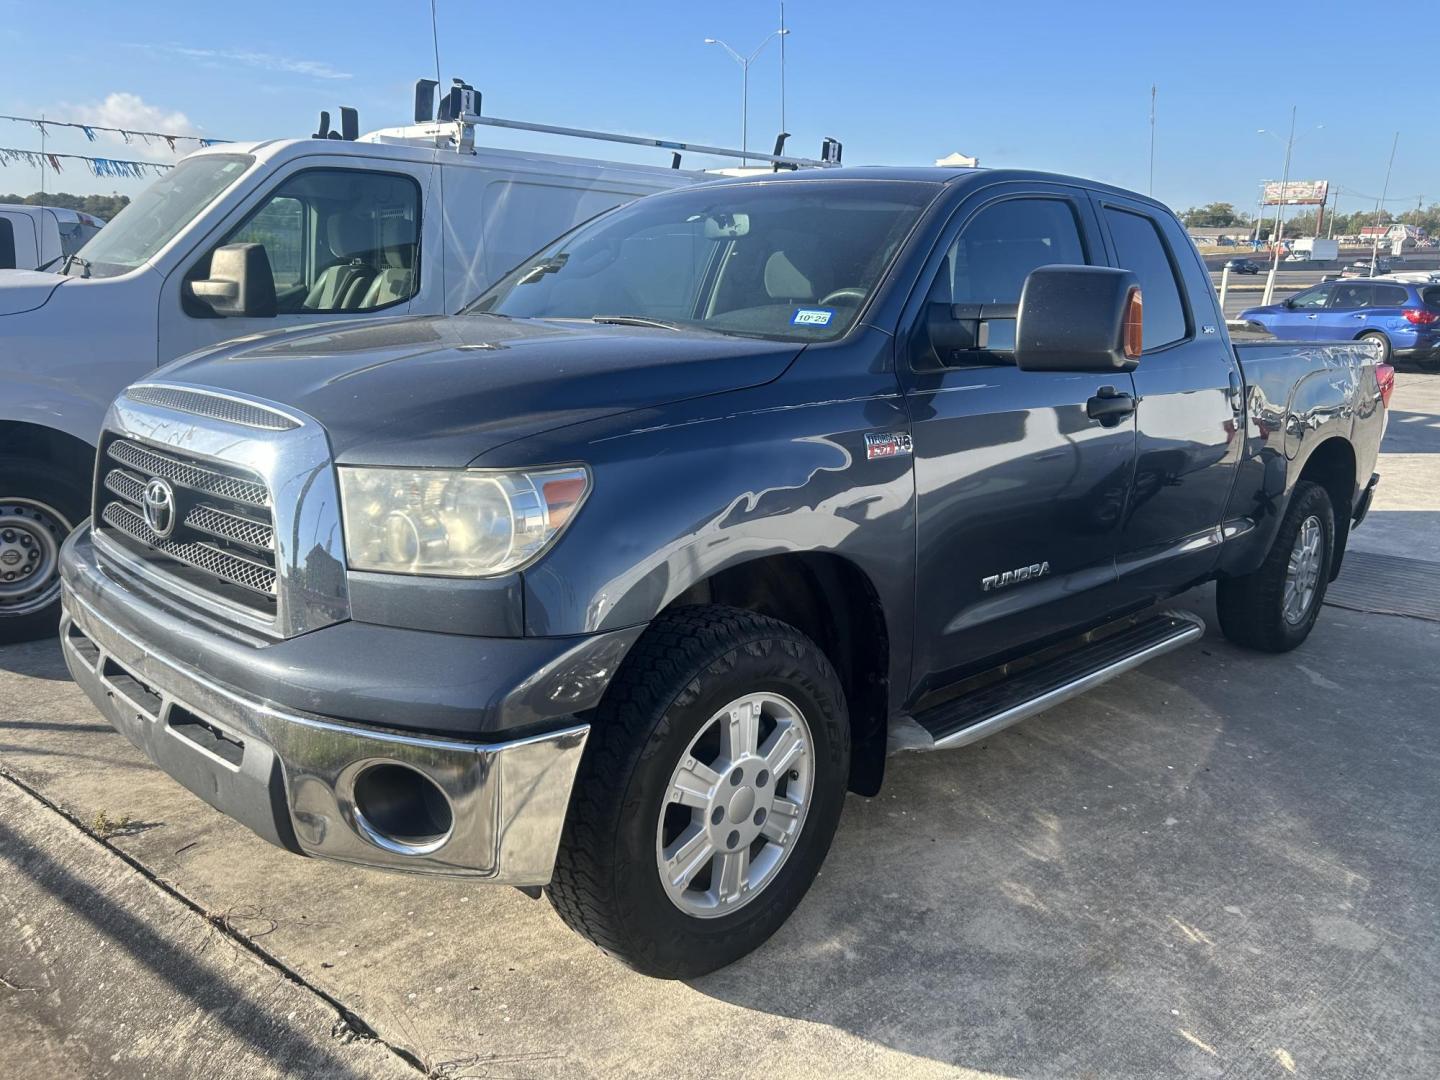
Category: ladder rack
[461,106]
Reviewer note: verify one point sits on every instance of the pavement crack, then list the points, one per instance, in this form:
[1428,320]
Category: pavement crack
[349,1025]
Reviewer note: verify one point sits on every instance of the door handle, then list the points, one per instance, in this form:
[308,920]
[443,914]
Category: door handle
[1312,316]
[1109,406]
[1357,316]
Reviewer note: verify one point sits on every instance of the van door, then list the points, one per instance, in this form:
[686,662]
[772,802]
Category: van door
[18,244]
[344,239]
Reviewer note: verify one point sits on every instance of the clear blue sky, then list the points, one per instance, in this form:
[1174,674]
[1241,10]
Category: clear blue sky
[1042,84]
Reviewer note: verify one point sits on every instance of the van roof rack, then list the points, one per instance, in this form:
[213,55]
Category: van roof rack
[461,106]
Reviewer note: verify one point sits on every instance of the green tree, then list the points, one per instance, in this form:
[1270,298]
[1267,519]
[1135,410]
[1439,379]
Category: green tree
[102,206]
[1215,215]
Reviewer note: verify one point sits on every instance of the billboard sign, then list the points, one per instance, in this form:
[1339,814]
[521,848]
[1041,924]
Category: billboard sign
[1297,192]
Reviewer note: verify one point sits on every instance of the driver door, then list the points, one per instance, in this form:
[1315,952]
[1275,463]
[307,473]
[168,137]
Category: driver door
[1300,319]
[342,243]
[1019,493]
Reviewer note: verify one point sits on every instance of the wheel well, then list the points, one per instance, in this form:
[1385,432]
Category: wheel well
[831,601]
[1332,466]
[36,443]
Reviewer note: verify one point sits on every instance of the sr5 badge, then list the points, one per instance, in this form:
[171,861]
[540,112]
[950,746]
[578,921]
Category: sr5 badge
[883,444]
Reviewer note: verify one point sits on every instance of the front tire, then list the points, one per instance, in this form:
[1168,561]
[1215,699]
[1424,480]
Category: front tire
[710,791]
[1275,608]
[40,503]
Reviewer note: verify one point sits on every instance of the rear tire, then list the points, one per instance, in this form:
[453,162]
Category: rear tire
[1275,608]
[676,856]
[1384,342]
[40,503]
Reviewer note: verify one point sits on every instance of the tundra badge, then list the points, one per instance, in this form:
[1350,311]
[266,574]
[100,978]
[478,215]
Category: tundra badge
[1014,577]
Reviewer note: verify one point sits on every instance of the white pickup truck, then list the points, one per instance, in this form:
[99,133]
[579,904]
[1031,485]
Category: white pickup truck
[244,238]
[32,237]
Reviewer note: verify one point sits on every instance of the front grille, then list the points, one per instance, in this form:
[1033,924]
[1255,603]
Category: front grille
[212,405]
[223,540]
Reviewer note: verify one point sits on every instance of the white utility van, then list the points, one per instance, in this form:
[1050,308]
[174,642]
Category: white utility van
[245,238]
[32,237]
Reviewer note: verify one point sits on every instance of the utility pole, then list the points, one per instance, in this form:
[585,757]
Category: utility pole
[42,159]
[1280,213]
[1151,190]
[783,35]
[1380,203]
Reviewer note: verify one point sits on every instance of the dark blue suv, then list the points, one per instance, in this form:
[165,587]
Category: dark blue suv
[1403,317]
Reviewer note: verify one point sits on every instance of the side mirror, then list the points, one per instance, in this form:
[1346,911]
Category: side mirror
[240,284]
[1079,318]
[1288,302]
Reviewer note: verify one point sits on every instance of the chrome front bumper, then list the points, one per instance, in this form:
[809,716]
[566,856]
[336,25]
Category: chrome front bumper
[291,777]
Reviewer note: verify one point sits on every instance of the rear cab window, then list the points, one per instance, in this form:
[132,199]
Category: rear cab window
[1141,249]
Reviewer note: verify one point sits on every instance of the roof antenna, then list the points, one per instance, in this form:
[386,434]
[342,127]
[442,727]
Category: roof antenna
[674,161]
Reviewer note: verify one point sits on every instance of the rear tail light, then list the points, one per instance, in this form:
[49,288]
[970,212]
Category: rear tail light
[1385,379]
[1420,316]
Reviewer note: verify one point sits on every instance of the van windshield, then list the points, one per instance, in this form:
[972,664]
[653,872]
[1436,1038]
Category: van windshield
[157,214]
[791,260]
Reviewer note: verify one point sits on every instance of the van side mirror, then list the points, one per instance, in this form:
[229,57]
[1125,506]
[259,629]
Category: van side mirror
[240,284]
[1079,318]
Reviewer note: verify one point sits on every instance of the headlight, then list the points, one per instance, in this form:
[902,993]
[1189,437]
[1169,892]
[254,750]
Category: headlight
[454,522]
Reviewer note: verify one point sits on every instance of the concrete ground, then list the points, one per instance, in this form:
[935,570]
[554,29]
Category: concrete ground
[1222,865]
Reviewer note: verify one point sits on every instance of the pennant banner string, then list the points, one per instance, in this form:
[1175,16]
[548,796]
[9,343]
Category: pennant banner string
[126,133]
[98,166]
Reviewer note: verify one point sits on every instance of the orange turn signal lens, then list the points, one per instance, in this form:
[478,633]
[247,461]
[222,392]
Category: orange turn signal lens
[1134,337]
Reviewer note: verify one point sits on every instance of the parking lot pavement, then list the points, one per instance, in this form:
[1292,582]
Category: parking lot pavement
[1222,864]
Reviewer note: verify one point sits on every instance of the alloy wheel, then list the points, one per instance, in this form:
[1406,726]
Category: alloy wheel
[735,805]
[1302,572]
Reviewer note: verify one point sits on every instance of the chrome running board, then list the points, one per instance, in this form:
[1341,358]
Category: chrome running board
[1038,685]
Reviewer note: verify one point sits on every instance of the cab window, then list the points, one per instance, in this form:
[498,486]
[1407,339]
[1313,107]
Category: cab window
[987,266]
[1311,298]
[1140,248]
[337,240]
[1350,297]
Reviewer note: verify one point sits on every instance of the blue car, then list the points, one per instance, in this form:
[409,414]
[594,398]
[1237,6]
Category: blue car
[1404,318]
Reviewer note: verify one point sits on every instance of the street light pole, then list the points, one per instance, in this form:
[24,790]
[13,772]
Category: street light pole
[1280,214]
[1379,205]
[745,62]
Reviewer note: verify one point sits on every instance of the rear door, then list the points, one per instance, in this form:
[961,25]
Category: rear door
[1188,384]
[1348,313]
[1018,492]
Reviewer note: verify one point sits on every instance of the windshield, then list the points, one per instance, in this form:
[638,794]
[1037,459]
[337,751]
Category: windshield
[158,213]
[794,260]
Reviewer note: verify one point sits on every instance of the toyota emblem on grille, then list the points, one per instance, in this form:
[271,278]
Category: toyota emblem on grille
[159,505]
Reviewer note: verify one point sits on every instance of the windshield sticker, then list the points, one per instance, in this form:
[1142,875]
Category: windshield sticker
[814,316]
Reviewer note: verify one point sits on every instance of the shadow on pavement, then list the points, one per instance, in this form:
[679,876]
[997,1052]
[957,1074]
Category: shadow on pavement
[1216,865]
[247,1019]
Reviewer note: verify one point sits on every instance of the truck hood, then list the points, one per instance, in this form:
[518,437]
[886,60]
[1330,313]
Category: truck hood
[442,390]
[26,290]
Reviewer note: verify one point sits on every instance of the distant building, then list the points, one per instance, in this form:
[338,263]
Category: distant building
[1217,234]
[958,160]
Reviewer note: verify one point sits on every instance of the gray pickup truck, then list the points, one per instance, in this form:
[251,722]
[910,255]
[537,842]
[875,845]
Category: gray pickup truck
[616,582]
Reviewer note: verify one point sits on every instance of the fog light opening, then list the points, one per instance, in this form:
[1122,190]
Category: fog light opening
[401,809]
